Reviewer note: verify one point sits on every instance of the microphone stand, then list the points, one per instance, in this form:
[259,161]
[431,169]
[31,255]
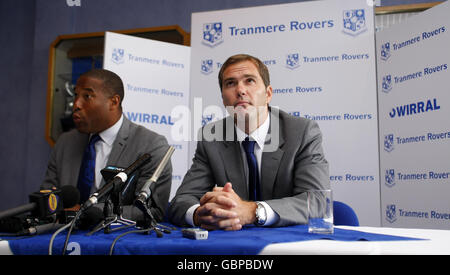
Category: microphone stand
[144,197]
[112,210]
[149,223]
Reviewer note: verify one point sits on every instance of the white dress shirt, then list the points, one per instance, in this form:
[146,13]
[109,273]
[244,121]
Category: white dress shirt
[259,135]
[103,149]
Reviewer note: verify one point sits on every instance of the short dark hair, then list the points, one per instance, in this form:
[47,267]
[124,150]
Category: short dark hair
[262,68]
[111,81]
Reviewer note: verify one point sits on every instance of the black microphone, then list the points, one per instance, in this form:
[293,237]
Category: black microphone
[70,197]
[43,204]
[144,194]
[90,218]
[115,182]
[17,210]
[40,229]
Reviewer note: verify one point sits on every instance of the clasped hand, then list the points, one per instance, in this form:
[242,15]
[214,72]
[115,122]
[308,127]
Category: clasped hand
[222,208]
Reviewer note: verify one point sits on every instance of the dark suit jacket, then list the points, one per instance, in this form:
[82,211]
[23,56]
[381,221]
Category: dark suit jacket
[132,141]
[292,162]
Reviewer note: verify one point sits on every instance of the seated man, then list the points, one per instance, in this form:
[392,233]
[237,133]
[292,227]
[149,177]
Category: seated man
[108,138]
[259,170]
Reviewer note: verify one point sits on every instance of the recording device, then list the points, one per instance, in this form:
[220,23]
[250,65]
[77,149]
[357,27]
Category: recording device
[116,182]
[195,233]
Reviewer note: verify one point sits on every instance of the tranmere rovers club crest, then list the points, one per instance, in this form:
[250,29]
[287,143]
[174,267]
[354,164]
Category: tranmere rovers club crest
[389,143]
[389,177]
[385,51]
[212,34]
[354,21]
[207,119]
[293,60]
[207,66]
[386,86]
[391,215]
[118,55]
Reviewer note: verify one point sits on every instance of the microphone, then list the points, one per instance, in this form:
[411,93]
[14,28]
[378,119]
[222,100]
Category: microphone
[17,210]
[43,204]
[144,194]
[70,196]
[90,218]
[41,229]
[43,216]
[115,182]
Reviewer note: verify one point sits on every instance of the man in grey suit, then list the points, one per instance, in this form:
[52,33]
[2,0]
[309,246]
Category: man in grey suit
[218,192]
[97,109]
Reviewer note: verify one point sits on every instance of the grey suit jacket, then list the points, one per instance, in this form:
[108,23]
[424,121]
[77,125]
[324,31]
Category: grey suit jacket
[132,141]
[292,162]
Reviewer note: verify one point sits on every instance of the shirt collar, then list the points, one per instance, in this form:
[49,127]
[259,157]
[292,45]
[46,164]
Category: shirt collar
[259,135]
[109,135]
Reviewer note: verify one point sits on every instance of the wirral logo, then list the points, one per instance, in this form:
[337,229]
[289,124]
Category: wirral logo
[354,22]
[385,51]
[207,66]
[386,86]
[389,143]
[118,55]
[293,61]
[389,177]
[391,215]
[212,34]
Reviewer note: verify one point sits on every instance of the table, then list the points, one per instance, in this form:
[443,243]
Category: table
[417,241]
[436,242]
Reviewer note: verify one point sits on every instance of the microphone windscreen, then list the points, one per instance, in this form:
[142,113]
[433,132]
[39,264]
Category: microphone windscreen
[90,218]
[70,196]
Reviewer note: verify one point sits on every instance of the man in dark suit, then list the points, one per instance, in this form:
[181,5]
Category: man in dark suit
[97,111]
[259,172]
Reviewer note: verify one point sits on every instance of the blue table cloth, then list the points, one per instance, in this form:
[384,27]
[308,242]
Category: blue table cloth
[248,241]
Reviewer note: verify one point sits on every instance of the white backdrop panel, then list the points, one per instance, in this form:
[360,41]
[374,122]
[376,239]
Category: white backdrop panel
[414,98]
[156,79]
[321,58]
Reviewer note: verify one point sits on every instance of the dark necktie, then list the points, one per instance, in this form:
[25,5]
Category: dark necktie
[87,169]
[253,175]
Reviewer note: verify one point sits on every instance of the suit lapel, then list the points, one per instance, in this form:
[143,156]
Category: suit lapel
[119,145]
[269,168]
[231,156]
[272,155]
[230,152]
[82,141]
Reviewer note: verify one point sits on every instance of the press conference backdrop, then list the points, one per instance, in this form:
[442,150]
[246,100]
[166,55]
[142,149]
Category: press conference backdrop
[321,58]
[156,79]
[414,98]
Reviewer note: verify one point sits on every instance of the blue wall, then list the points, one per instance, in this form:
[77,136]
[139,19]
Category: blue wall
[27,29]
[16,55]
